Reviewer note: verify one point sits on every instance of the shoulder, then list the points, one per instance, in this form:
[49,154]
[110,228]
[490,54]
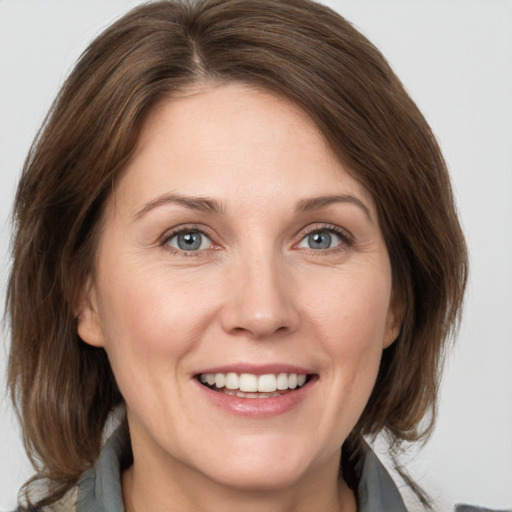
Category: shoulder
[473,508]
[378,492]
[65,504]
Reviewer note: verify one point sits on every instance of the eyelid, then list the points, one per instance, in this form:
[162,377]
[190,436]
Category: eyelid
[186,228]
[346,237]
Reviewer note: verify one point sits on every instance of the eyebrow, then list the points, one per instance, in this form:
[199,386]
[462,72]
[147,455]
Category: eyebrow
[202,204]
[208,205]
[316,203]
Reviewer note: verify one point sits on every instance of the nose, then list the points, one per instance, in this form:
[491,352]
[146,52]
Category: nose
[259,298]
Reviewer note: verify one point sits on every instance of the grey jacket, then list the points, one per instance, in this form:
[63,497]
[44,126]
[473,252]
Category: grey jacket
[99,490]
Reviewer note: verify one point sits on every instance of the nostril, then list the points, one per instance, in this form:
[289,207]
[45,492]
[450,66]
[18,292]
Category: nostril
[259,332]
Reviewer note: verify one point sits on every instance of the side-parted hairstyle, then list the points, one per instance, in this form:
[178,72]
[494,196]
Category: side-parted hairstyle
[63,388]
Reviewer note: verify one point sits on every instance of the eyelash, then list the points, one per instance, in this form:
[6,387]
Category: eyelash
[346,238]
[180,230]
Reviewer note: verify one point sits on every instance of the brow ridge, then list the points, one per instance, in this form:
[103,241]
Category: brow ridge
[209,205]
[203,204]
[316,203]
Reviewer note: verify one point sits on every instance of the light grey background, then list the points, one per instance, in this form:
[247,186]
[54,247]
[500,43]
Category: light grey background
[455,58]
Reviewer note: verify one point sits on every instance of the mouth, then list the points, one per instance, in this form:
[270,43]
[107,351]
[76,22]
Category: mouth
[248,385]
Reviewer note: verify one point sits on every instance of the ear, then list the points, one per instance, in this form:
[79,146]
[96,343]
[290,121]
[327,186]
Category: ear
[88,321]
[394,319]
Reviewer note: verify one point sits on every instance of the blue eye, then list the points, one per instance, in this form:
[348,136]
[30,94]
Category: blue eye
[190,240]
[321,239]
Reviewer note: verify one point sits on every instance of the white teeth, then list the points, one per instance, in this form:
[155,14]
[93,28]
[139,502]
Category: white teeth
[282,381]
[241,394]
[250,383]
[267,383]
[232,381]
[220,380]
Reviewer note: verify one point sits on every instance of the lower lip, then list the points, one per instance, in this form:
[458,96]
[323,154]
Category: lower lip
[257,407]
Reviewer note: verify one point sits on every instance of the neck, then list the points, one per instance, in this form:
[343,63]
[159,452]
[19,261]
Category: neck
[186,490]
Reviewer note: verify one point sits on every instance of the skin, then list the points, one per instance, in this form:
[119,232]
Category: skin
[255,292]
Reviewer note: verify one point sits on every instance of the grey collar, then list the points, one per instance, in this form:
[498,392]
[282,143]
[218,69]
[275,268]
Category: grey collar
[99,489]
[376,490]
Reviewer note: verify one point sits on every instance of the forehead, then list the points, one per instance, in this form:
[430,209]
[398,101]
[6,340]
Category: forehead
[233,141]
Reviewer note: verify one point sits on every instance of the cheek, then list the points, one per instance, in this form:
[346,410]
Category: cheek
[148,316]
[352,320]
[353,309]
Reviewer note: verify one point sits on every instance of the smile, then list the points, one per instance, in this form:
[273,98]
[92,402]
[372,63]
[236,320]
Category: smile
[248,385]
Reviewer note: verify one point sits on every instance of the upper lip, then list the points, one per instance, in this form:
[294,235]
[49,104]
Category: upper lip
[257,369]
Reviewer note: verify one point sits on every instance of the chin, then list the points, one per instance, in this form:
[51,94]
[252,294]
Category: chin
[267,477]
[274,466]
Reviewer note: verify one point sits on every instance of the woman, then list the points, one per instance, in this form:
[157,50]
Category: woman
[236,232]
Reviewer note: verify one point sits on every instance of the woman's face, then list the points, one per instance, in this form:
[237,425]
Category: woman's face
[242,292]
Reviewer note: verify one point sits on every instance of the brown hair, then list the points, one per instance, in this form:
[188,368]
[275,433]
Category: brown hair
[64,389]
